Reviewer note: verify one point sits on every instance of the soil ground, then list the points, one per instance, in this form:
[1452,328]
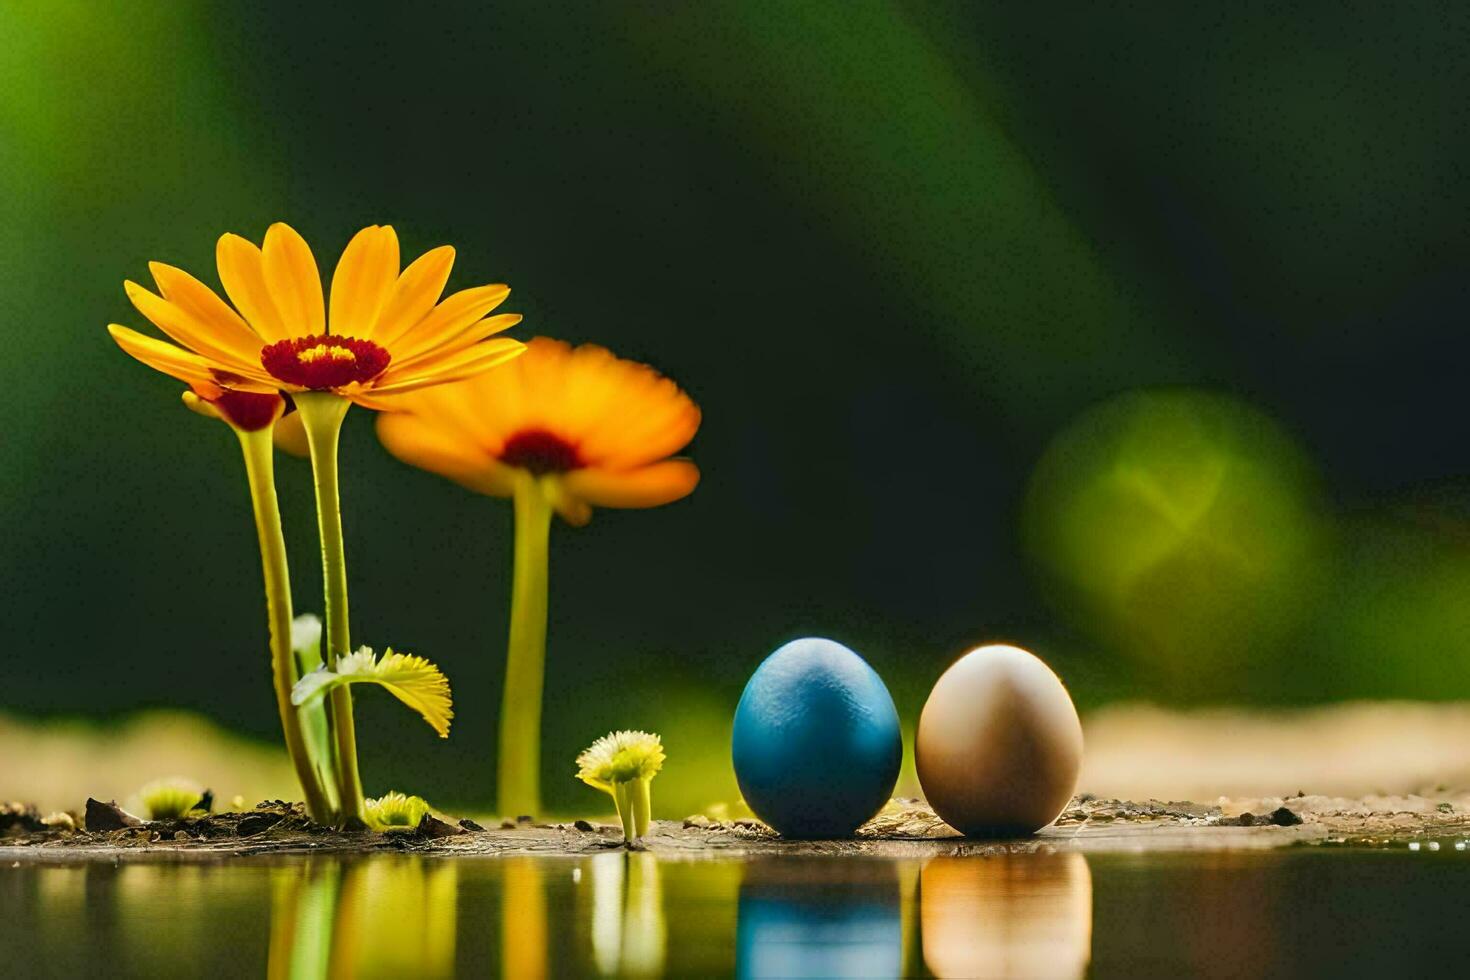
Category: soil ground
[905,828]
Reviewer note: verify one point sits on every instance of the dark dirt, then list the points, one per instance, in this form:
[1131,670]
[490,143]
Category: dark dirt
[17,818]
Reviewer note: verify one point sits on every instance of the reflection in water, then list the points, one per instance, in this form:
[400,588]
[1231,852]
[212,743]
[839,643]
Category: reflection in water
[523,950]
[1008,915]
[629,935]
[390,916]
[1327,912]
[303,907]
[819,917]
[167,897]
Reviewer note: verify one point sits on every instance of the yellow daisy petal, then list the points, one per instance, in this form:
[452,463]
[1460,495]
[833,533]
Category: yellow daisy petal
[177,362]
[472,334]
[647,486]
[590,428]
[203,303]
[414,295]
[241,269]
[455,415]
[379,330]
[448,318]
[293,280]
[426,447]
[195,334]
[365,276]
[660,427]
[479,358]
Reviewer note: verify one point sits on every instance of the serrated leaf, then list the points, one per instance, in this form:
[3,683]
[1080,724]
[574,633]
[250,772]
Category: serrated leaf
[411,679]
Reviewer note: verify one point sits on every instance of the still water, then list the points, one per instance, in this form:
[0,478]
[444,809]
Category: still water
[1310,912]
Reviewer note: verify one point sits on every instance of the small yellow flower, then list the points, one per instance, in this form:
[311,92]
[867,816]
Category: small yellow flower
[387,334]
[394,809]
[619,757]
[168,799]
[623,764]
[593,429]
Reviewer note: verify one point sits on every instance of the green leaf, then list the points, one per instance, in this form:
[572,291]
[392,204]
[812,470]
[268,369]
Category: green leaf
[411,679]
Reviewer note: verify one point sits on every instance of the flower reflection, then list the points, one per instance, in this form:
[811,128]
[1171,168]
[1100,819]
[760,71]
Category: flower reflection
[1011,915]
[523,919]
[618,913]
[385,917]
[629,934]
[829,918]
[303,909]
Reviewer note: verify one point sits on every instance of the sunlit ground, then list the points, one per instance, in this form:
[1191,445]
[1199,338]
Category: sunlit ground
[1133,752]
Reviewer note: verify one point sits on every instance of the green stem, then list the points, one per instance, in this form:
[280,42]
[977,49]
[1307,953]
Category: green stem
[623,798]
[519,771]
[321,416]
[260,471]
[642,804]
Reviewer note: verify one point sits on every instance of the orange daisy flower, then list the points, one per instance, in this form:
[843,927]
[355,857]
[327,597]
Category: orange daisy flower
[388,333]
[559,428]
[591,428]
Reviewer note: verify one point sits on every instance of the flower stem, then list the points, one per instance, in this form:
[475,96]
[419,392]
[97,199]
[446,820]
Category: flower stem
[260,471]
[321,416]
[642,800]
[519,771]
[623,798]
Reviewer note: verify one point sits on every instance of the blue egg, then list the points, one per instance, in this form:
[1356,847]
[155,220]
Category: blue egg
[816,743]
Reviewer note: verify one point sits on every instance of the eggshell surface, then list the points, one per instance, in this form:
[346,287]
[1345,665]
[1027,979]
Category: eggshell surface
[816,742]
[999,744]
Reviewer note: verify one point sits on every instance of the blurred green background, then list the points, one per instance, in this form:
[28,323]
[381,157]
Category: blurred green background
[1131,335]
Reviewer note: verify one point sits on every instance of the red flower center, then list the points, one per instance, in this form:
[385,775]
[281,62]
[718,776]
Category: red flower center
[248,410]
[324,361]
[540,452]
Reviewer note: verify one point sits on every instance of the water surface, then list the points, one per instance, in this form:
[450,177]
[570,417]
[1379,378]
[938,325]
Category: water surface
[1309,911]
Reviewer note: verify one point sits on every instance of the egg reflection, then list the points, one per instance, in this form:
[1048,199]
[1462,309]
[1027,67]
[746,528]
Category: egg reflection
[1013,915]
[822,918]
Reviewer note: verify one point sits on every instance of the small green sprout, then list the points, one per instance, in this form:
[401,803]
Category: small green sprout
[306,641]
[413,680]
[306,646]
[623,764]
[169,799]
[395,811]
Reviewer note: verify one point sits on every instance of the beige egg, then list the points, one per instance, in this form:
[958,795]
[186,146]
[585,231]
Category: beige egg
[999,744]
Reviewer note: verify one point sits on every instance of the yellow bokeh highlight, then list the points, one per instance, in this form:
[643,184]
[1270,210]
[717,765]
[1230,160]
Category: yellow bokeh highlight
[1179,527]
